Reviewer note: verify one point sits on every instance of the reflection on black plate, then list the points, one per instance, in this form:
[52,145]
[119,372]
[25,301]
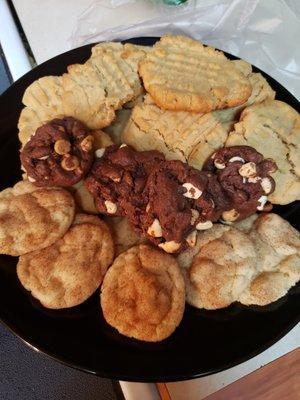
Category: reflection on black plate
[205,342]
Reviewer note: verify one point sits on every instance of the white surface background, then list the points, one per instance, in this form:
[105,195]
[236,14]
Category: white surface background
[272,45]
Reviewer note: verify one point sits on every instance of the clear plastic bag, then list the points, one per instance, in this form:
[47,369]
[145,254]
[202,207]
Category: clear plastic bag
[263,32]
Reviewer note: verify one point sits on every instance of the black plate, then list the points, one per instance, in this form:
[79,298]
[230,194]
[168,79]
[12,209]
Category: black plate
[206,341]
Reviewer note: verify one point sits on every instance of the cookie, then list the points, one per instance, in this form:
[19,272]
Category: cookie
[109,79]
[101,139]
[277,246]
[126,57]
[84,96]
[60,153]
[58,279]
[189,137]
[32,218]
[116,129]
[245,178]
[123,234]
[185,258]
[143,294]
[165,201]
[175,134]
[278,124]
[221,270]
[84,200]
[268,287]
[90,92]
[183,75]
[43,101]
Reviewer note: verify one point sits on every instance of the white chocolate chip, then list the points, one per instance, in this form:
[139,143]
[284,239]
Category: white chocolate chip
[202,226]
[262,200]
[266,185]
[31,179]
[248,169]
[148,207]
[230,216]
[219,165]
[244,180]
[233,159]
[87,143]
[254,180]
[195,216]
[192,239]
[122,145]
[43,158]
[111,207]
[154,229]
[170,247]
[99,153]
[192,191]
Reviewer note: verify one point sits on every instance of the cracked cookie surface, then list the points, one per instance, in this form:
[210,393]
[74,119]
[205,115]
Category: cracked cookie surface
[273,129]
[58,279]
[277,246]
[32,218]
[221,270]
[143,294]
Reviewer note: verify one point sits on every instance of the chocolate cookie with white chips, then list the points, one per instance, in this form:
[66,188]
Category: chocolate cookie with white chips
[165,201]
[244,176]
[60,153]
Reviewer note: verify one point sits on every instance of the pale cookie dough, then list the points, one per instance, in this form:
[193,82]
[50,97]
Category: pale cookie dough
[182,75]
[143,294]
[32,218]
[221,270]
[70,271]
[273,129]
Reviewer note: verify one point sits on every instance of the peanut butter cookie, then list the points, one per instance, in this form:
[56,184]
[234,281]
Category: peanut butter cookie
[273,129]
[183,75]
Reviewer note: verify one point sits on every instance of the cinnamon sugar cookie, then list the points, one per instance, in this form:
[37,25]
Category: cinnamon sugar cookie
[68,272]
[143,293]
[32,218]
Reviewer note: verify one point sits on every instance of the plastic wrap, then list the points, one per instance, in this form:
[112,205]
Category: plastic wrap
[263,32]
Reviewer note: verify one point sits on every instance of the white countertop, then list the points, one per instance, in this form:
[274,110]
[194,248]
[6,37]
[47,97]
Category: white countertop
[48,26]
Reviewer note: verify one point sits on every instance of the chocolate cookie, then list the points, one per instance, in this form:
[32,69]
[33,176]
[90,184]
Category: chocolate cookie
[244,177]
[165,201]
[118,179]
[60,153]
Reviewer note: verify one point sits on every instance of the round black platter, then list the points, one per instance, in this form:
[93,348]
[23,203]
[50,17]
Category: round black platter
[205,342]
